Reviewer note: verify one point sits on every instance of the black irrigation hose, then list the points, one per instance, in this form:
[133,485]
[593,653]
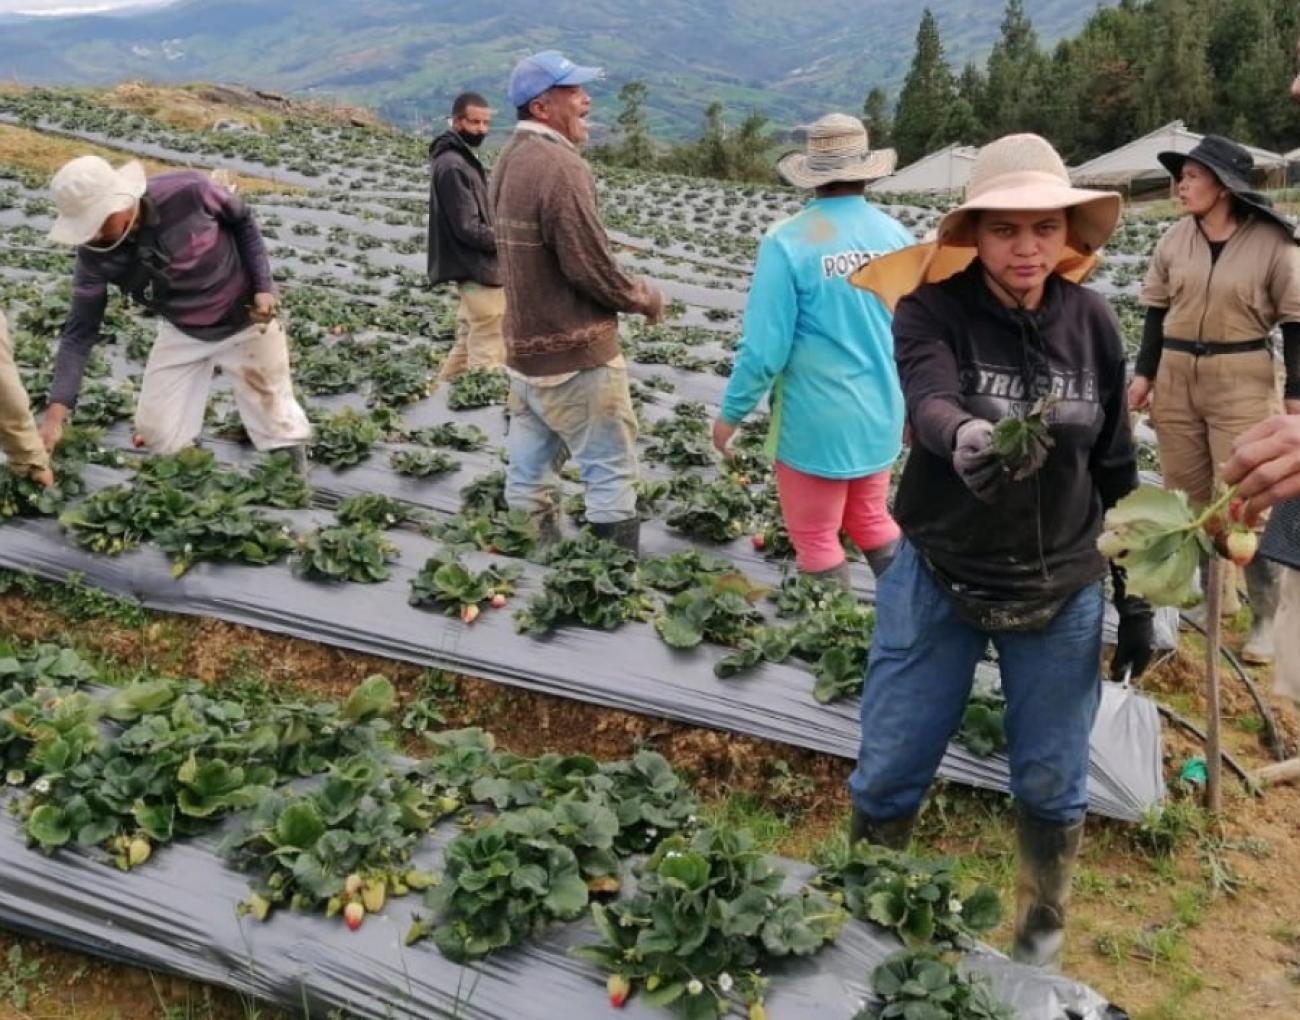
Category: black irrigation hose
[1273,736]
[1251,786]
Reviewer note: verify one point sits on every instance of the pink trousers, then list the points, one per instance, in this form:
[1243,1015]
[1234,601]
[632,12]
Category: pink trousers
[817,509]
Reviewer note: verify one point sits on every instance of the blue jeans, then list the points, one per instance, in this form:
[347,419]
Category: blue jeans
[919,677]
[589,417]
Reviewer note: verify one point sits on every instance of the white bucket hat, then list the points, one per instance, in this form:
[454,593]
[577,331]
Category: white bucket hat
[835,149]
[87,191]
[1014,173]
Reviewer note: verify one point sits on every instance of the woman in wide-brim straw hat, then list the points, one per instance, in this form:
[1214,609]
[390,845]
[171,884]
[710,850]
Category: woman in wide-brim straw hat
[823,349]
[1221,280]
[991,556]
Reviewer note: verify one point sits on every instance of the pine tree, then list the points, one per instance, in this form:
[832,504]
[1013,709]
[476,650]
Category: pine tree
[636,148]
[927,93]
[1016,72]
[876,118]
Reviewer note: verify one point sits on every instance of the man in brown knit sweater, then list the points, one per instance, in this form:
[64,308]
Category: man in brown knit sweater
[564,290]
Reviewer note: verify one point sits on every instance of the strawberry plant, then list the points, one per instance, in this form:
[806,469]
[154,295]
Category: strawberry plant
[517,873]
[591,582]
[485,495]
[919,984]
[402,378]
[346,553]
[374,510]
[918,898]
[422,463]
[275,481]
[447,584]
[221,529]
[718,512]
[708,913]
[681,441]
[983,731]
[720,610]
[479,387]
[346,438]
[508,532]
[22,497]
[453,435]
[836,640]
[1022,442]
[681,570]
[345,845]
[1156,536]
[120,517]
[328,369]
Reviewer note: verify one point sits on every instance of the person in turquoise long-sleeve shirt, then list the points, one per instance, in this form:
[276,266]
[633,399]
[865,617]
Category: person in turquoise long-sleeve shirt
[825,351]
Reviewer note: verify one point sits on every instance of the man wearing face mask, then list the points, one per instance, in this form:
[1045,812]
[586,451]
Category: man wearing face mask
[462,245]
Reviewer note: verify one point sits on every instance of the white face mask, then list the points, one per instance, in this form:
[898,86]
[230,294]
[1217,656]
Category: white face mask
[104,249]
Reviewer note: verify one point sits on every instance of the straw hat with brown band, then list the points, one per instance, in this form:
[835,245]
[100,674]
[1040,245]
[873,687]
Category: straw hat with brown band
[1018,172]
[836,150]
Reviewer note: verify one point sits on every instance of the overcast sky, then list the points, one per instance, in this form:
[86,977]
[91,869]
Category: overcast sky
[69,6]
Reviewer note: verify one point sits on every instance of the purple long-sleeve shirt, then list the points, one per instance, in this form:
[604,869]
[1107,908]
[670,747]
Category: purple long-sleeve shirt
[196,259]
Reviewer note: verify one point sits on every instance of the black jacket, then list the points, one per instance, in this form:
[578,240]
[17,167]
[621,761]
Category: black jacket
[462,245]
[962,354]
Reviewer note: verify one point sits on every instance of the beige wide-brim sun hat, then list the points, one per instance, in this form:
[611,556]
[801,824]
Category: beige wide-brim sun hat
[836,148]
[1017,173]
[88,190]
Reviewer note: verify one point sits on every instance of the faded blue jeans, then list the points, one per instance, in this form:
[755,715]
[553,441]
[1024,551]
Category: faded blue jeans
[590,418]
[919,677]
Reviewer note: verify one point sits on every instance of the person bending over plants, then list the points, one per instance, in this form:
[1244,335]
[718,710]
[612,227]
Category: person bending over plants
[25,455]
[188,249]
[1014,379]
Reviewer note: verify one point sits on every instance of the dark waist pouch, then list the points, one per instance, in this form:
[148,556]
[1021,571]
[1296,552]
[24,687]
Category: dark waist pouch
[1282,535]
[993,611]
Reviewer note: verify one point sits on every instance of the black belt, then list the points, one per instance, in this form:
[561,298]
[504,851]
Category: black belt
[1209,348]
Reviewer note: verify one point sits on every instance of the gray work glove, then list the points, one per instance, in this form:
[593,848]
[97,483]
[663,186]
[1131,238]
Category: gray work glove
[975,462]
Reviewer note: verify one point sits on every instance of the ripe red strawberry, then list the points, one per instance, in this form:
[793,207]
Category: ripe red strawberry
[354,913]
[759,542]
[1241,546]
[619,988]
[498,601]
[468,614]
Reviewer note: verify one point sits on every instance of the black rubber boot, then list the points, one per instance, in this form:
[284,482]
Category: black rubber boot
[548,528]
[1048,852]
[1262,580]
[836,575]
[298,458]
[893,834]
[622,533]
[880,558]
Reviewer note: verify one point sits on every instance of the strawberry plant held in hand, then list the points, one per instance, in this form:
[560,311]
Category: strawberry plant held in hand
[1023,442]
[1159,539]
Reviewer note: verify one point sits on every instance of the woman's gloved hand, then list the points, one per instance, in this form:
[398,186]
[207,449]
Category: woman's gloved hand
[1136,639]
[975,462]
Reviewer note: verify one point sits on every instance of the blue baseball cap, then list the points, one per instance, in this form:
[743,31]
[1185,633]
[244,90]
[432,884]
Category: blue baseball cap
[534,75]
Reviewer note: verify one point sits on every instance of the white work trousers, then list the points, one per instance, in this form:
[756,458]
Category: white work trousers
[178,376]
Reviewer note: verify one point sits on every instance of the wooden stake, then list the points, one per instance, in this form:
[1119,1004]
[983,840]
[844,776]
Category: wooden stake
[1213,630]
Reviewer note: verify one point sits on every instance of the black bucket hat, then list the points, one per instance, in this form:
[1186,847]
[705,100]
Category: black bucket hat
[1232,164]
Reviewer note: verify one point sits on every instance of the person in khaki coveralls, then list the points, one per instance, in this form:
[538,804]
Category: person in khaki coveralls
[1265,467]
[19,439]
[1221,280]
